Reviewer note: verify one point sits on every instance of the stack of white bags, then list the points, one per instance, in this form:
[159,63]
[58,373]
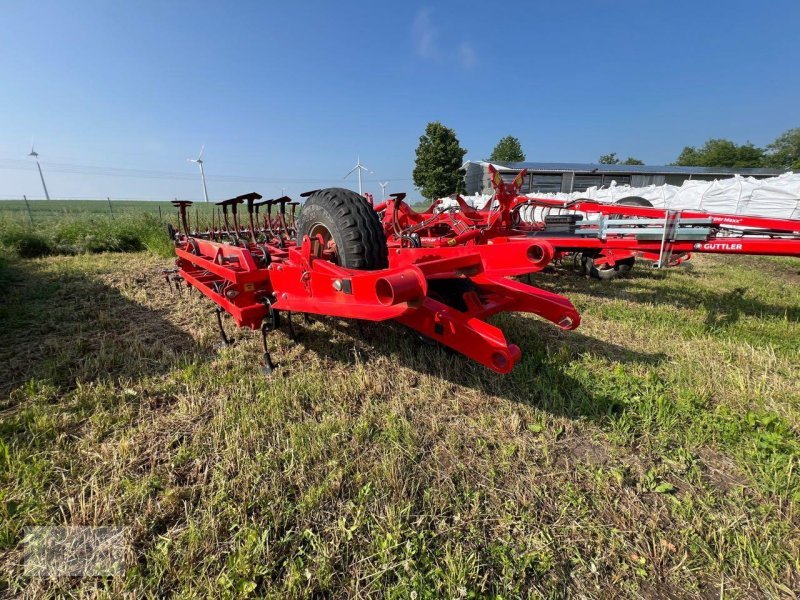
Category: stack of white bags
[776,197]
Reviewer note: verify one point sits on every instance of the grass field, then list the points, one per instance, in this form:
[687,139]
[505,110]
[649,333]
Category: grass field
[55,227]
[77,227]
[42,227]
[46,212]
[651,453]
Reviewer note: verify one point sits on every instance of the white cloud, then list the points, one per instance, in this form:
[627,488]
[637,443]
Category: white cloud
[431,45]
[423,34]
[466,54]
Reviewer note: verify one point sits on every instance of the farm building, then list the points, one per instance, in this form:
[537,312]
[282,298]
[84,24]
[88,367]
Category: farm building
[578,177]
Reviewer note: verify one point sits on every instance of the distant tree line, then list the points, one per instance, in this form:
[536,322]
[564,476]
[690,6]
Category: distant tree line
[438,172]
[611,159]
[782,153]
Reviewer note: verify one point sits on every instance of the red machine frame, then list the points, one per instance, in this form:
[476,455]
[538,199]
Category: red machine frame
[262,272]
[500,222]
[448,270]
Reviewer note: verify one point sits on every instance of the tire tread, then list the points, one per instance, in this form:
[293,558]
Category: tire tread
[362,241]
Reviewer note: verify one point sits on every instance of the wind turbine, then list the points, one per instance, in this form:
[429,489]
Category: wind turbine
[35,156]
[359,167]
[384,185]
[199,162]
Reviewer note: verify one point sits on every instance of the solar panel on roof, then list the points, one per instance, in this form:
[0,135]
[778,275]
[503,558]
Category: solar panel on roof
[554,167]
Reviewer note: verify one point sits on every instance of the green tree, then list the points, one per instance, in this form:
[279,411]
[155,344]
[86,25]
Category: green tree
[612,159]
[437,171]
[722,153]
[609,159]
[784,152]
[508,150]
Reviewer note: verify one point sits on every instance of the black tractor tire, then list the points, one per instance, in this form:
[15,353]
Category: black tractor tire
[351,222]
[634,201]
[622,267]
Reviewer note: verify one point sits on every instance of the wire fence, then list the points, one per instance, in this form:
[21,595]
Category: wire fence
[34,211]
[31,212]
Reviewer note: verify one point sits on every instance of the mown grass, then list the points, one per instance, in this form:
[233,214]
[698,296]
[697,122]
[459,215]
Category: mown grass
[651,453]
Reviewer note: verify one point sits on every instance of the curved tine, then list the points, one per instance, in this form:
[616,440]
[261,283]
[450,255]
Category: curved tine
[294,205]
[282,201]
[269,204]
[251,198]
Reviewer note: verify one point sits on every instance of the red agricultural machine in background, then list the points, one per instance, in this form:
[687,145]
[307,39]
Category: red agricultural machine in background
[334,260]
[604,239]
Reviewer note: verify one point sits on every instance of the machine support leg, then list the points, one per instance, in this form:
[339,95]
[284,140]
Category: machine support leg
[226,341]
[292,335]
[269,366]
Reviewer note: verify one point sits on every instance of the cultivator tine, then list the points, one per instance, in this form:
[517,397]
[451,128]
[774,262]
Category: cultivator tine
[167,273]
[234,203]
[294,205]
[277,236]
[251,198]
[171,277]
[269,366]
[257,221]
[283,229]
[235,212]
[263,226]
[182,204]
[226,341]
[224,206]
[271,322]
[269,204]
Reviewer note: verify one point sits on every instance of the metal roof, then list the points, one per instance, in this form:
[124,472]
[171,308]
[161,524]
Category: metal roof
[556,167]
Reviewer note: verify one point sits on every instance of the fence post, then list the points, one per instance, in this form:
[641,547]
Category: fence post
[160,218]
[110,209]
[28,206]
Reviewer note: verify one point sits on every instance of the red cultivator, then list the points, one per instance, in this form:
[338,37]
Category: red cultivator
[605,238]
[441,272]
[334,260]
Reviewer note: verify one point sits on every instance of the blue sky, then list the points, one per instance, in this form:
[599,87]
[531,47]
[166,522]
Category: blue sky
[287,94]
